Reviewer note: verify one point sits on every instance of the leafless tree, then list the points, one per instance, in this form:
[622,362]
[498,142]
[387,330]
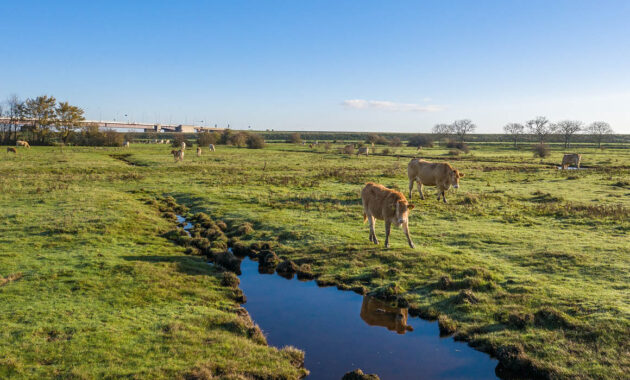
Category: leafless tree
[540,127]
[515,130]
[463,127]
[442,130]
[15,111]
[567,128]
[599,130]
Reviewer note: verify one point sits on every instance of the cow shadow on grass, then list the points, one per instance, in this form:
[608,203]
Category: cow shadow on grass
[190,265]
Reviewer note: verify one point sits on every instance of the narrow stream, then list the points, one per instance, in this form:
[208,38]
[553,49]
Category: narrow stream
[341,331]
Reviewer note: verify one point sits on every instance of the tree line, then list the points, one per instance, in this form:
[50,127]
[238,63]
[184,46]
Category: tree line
[49,120]
[542,128]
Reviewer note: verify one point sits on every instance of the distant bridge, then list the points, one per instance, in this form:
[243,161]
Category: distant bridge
[146,127]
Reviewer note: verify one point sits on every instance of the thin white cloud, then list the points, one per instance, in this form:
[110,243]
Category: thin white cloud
[390,106]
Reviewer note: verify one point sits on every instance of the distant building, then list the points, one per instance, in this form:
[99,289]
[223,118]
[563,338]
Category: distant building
[185,128]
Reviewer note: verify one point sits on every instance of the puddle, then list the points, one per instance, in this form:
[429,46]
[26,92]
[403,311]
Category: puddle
[341,331]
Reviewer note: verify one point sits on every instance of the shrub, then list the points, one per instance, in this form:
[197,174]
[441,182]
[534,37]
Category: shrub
[457,145]
[238,139]
[207,138]
[420,140]
[386,151]
[225,137]
[395,142]
[294,138]
[113,138]
[178,139]
[541,150]
[255,141]
[373,138]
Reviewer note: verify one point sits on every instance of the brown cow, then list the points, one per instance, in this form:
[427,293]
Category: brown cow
[571,159]
[198,152]
[178,155]
[22,143]
[11,150]
[385,204]
[442,175]
[363,150]
[378,313]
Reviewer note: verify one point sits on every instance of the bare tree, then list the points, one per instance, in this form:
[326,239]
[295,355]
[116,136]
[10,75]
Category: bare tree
[15,111]
[515,130]
[68,119]
[567,128]
[540,127]
[599,130]
[463,127]
[442,130]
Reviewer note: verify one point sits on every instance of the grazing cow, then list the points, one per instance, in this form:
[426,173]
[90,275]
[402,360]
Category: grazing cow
[211,146]
[379,313]
[183,146]
[442,175]
[198,151]
[388,205]
[22,143]
[11,150]
[310,146]
[126,145]
[178,155]
[364,150]
[571,159]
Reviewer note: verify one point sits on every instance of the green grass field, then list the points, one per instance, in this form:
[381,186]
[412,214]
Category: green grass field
[526,262]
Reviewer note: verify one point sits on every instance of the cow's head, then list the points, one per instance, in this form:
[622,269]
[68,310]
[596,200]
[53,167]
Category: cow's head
[402,212]
[454,177]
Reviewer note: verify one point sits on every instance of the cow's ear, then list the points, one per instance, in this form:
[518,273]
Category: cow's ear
[411,206]
[461,175]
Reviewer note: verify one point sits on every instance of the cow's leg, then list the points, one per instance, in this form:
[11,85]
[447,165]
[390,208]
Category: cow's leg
[444,195]
[374,239]
[410,188]
[388,227]
[406,229]
[420,190]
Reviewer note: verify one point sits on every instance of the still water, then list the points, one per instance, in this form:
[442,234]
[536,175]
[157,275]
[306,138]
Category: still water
[341,331]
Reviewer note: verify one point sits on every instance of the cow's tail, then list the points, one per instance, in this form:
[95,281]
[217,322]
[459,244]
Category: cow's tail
[364,218]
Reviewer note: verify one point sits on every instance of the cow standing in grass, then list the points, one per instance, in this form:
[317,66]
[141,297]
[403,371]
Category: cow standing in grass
[388,205]
[198,151]
[441,174]
[364,150]
[571,159]
[178,155]
[11,150]
[211,147]
[23,143]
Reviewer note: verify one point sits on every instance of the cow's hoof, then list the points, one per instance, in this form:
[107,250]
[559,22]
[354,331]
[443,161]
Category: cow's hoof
[412,245]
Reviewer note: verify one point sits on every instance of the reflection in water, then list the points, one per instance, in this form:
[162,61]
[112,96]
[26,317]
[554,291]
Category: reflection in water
[341,331]
[378,313]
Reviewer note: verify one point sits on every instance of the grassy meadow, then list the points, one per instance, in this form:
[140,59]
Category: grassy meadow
[526,262]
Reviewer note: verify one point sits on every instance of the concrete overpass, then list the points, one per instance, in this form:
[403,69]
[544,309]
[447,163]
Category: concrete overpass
[146,127]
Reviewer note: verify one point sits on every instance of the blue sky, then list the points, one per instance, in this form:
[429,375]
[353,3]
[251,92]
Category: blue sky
[398,66]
